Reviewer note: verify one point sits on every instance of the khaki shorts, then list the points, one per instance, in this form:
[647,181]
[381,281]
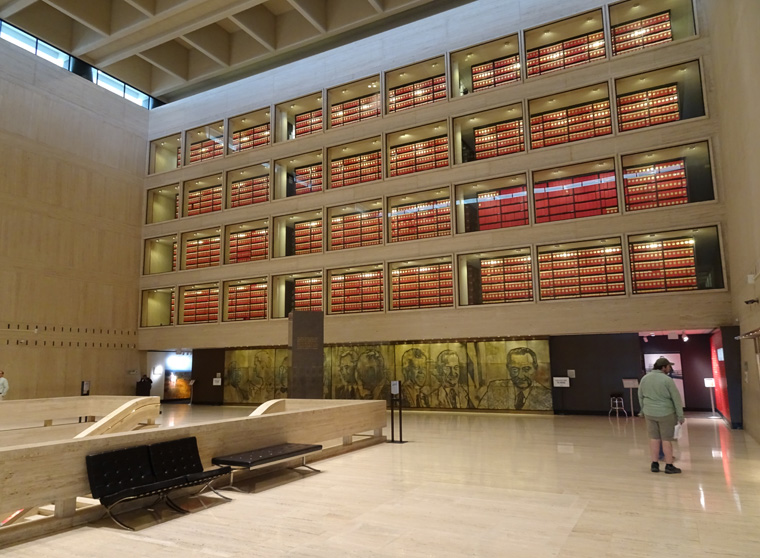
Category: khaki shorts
[661,428]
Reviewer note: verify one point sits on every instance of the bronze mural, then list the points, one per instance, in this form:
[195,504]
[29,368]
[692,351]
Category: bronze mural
[496,375]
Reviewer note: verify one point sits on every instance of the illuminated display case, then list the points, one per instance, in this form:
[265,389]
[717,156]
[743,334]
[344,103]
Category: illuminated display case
[247,242]
[661,96]
[307,294]
[160,255]
[485,66]
[299,117]
[165,154]
[355,102]
[561,194]
[248,191]
[495,278]
[245,300]
[564,44]
[157,307]
[580,270]
[205,142]
[648,107]
[682,260]
[356,169]
[424,285]
[421,215]
[419,156]
[162,204]
[492,204]
[200,304]
[308,237]
[250,131]
[356,291]
[356,227]
[668,176]
[201,249]
[642,33]
[568,117]
[204,200]
[419,84]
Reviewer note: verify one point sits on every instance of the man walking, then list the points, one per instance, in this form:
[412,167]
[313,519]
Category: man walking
[661,406]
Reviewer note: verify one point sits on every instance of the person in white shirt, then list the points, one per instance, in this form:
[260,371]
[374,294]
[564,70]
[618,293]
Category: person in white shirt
[3,385]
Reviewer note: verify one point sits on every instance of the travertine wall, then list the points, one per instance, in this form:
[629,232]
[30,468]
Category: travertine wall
[73,163]
[734,58]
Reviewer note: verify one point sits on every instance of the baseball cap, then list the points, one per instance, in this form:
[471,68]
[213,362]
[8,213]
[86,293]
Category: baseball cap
[660,363]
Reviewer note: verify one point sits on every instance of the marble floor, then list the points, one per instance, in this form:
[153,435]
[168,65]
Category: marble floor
[469,484]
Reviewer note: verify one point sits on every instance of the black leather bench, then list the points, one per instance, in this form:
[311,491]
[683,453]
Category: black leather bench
[266,456]
[148,470]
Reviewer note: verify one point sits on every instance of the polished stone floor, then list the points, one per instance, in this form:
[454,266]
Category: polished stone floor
[468,484]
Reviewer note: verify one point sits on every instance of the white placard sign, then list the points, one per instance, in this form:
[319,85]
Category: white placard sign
[561,381]
[631,383]
[709,382]
[395,387]
[217,381]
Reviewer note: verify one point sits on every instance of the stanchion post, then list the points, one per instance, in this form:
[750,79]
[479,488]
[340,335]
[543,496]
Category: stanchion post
[395,396]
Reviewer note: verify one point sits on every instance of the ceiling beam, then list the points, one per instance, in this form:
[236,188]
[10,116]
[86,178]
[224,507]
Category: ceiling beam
[148,7]
[170,57]
[259,23]
[186,17]
[315,12]
[94,15]
[14,7]
[379,5]
[213,41]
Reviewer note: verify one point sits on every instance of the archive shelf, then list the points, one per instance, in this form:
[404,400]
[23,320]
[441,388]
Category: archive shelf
[172,305]
[206,150]
[663,266]
[308,122]
[248,246]
[574,197]
[200,305]
[356,292]
[308,179]
[250,138]
[204,200]
[495,72]
[581,273]
[356,169]
[426,286]
[249,191]
[566,54]
[308,237]
[246,301]
[502,208]
[419,156]
[569,124]
[658,185]
[641,33]
[356,230]
[202,252]
[421,92]
[355,110]
[307,294]
[501,138]
[421,220]
[648,107]
[505,279]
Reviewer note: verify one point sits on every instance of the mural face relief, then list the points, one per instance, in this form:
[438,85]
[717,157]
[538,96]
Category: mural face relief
[496,375]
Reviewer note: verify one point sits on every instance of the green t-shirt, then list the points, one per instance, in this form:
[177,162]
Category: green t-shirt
[659,396]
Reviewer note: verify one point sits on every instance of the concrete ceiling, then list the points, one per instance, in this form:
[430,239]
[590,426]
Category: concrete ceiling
[174,48]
